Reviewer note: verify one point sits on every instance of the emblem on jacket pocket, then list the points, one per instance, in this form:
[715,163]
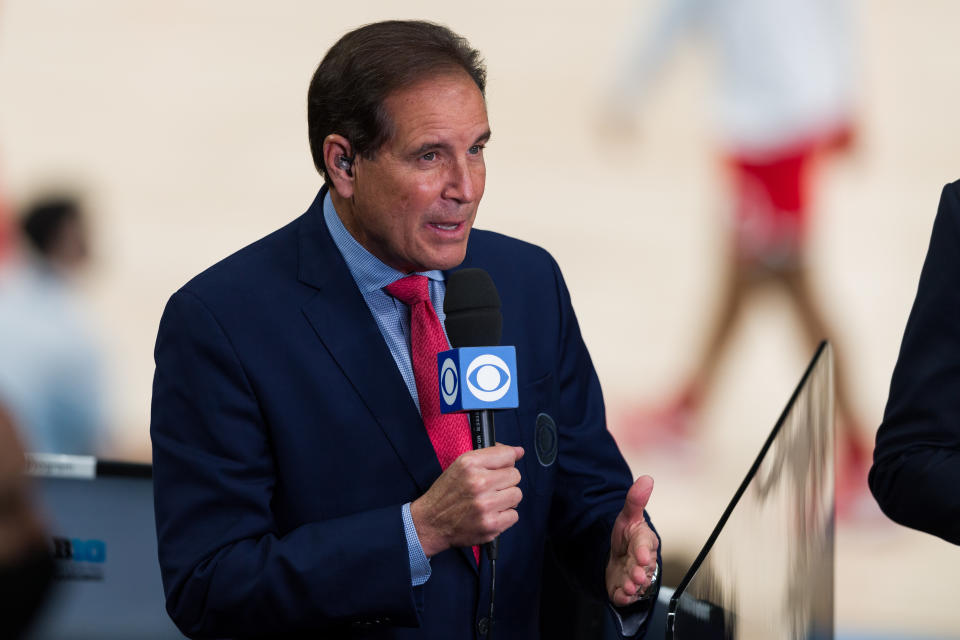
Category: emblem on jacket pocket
[545,440]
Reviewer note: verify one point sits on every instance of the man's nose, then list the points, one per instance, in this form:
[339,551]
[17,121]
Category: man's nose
[465,181]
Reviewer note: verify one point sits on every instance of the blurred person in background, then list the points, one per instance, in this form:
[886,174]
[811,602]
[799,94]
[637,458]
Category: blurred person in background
[26,567]
[916,468]
[50,365]
[784,99]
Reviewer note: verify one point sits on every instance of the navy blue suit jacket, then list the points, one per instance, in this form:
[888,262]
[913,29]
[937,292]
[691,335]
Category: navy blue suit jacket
[916,468]
[285,442]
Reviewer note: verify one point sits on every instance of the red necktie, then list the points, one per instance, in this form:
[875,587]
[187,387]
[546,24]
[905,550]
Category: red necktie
[449,433]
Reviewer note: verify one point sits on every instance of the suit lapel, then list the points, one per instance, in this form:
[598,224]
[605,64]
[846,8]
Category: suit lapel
[343,322]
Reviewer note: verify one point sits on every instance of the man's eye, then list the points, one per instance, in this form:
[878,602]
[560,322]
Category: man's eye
[475,149]
[430,156]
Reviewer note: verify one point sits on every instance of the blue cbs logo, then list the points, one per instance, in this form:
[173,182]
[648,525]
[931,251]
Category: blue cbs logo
[477,378]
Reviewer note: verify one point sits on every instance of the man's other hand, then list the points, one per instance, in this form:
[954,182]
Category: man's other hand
[633,548]
[472,502]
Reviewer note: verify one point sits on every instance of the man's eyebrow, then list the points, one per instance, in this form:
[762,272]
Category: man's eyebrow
[429,146]
[436,144]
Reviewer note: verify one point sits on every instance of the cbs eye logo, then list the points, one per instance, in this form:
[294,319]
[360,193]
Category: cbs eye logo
[449,381]
[488,378]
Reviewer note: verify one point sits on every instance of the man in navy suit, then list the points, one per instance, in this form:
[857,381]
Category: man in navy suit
[298,492]
[916,464]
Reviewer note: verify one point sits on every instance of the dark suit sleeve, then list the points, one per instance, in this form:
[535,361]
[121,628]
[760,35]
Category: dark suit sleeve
[227,569]
[594,478]
[916,467]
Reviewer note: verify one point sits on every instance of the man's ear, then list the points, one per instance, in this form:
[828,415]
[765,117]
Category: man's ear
[338,160]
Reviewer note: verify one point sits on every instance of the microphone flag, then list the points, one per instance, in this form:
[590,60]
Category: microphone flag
[477,378]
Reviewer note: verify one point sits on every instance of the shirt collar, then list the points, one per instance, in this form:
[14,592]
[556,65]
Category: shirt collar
[369,272]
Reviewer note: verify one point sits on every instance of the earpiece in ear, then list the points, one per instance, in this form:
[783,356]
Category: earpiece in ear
[345,163]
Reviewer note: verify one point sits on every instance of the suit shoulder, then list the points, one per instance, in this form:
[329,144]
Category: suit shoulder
[526,275]
[493,246]
[950,197]
[252,265]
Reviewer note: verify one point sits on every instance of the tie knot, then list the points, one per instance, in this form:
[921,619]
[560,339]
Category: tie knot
[410,290]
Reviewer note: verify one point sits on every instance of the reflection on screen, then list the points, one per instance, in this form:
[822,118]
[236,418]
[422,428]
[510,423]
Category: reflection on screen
[767,569]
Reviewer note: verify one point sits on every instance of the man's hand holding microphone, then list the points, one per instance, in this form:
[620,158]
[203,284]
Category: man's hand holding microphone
[472,502]
[475,499]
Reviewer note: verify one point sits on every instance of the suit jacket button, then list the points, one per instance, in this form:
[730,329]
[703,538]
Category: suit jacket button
[483,626]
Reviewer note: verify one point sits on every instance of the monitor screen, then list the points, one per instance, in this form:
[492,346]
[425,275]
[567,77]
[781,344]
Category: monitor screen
[102,536]
[767,569]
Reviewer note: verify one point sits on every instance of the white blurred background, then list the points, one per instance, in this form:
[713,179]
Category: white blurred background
[184,125]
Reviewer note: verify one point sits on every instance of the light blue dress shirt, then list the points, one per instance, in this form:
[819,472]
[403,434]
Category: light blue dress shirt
[393,319]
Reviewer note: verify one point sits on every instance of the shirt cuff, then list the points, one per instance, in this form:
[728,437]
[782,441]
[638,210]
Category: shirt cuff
[628,621]
[631,617]
[419,563]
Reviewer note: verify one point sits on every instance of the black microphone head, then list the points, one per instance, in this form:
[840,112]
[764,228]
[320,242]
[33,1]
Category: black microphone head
[472,306]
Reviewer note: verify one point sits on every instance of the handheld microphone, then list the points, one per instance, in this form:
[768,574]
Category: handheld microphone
[477,375]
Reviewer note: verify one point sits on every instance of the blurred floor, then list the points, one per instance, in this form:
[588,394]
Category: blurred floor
[186,122]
